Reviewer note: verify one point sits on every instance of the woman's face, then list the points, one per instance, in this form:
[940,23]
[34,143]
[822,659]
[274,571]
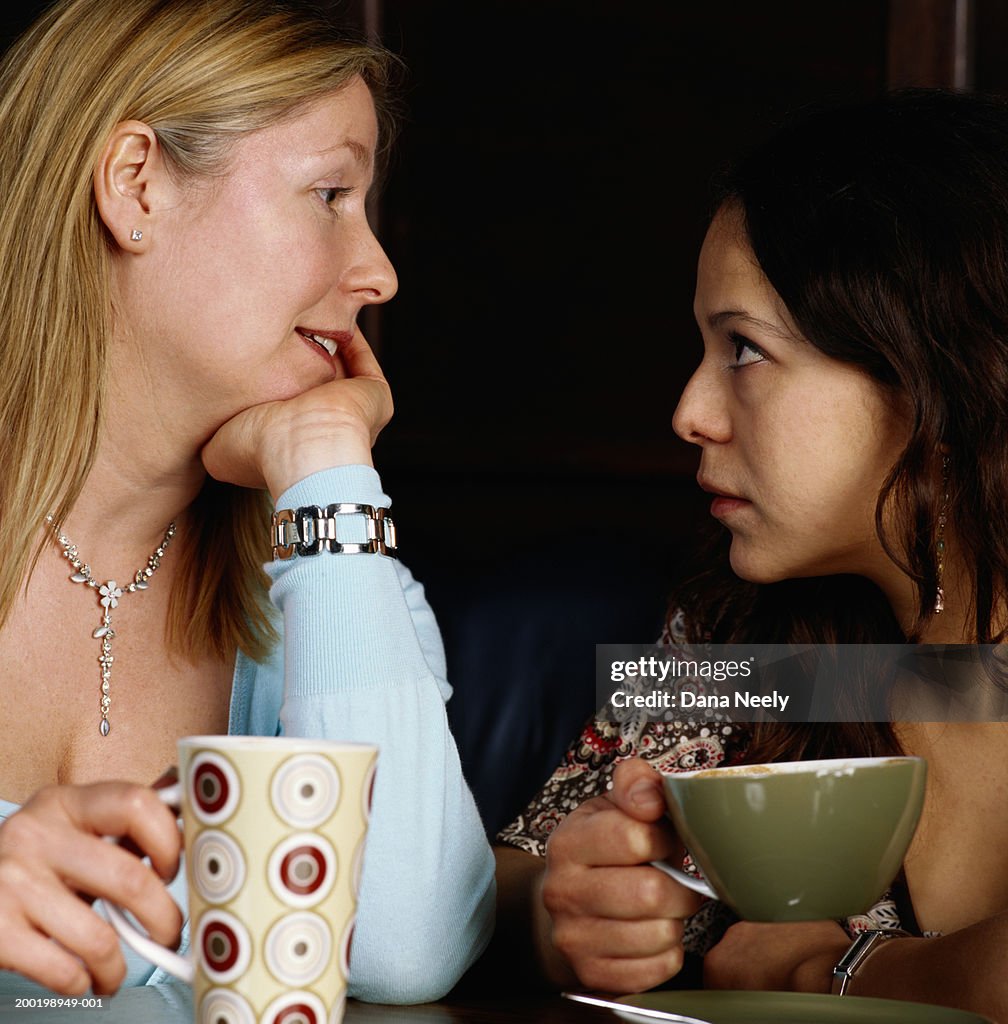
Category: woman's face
[239,271]
[795,445]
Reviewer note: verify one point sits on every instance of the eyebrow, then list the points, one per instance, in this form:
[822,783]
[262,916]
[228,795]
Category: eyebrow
[360,152]
[715,320]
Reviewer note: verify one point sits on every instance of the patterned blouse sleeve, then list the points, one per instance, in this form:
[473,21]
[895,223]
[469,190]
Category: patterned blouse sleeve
[587,766]
[669,744]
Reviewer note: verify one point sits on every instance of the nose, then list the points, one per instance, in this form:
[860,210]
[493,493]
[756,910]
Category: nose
[702,413]
[371,276]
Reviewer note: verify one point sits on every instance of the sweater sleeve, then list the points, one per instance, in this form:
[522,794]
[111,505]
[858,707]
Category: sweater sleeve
[363,661]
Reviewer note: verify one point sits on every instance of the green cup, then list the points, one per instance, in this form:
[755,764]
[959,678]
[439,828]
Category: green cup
[798,840]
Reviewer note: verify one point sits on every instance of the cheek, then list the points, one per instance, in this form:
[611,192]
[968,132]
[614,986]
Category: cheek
[255,263]
[807,472]
[292,284]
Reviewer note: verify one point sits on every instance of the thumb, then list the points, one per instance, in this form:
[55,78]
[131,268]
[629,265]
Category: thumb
[637,790]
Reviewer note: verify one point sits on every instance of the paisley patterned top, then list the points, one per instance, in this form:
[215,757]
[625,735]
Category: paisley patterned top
[704,740]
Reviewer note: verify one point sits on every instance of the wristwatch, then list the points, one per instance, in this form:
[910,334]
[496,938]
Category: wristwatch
[861,948]
[311,529]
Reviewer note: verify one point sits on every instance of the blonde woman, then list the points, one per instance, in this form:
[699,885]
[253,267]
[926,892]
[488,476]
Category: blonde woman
[183,256]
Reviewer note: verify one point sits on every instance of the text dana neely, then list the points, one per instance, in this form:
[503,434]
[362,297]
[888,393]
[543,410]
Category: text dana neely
[687,700]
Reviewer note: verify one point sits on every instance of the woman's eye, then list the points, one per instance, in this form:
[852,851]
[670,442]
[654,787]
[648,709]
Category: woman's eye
[746,352]
[332,196]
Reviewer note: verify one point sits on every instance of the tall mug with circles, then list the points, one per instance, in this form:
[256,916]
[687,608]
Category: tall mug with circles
[274,848]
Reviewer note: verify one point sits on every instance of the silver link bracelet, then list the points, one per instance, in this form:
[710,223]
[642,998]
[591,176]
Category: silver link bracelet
[310,529]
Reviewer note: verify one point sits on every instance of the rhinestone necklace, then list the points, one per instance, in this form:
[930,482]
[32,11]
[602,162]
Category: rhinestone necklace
[109,594]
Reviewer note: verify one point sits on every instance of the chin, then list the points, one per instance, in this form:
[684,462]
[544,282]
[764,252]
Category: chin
[754,568]
[282,389]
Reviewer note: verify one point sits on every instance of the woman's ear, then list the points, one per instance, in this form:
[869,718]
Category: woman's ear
[128,178]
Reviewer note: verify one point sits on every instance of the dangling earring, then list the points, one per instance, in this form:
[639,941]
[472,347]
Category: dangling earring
[939,605]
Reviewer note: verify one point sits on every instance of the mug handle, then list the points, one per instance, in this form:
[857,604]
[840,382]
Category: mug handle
[181,967]
[696,884]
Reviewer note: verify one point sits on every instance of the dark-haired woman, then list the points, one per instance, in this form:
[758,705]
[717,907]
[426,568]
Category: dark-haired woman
[851,409]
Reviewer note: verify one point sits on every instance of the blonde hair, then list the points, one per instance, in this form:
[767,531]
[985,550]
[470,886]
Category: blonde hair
[200,73]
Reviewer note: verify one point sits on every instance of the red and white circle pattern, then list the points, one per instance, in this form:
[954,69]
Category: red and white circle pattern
[223,946]
[302,869]
[214,789]
[295,1008]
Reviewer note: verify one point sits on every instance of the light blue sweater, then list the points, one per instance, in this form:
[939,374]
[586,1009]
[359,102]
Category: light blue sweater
[361,659]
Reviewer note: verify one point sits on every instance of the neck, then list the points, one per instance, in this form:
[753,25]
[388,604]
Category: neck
[955,624]
[142,478]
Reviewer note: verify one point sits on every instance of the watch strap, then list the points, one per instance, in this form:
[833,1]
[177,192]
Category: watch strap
[864,944]
[310,529]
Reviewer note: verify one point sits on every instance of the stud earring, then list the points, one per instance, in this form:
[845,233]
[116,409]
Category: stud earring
[136,234]
[939,605]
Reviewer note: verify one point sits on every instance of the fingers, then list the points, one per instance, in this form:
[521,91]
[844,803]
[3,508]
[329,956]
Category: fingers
[625,940]
[623,893]
[52,851]
[621,956]
[364,391]
[25,895]
[617,921]
[103,870]
[613,951]
[362,367]
[41,960]
[637,790]
[608,836]
[90,942]
[92,865]
[621,976]
[131,811]
[358,358]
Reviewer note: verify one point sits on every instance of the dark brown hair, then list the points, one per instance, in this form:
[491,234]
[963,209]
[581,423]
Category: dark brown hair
[883,226]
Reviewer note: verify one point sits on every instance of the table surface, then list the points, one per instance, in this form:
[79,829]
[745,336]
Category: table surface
[165,1005]
[162,1004]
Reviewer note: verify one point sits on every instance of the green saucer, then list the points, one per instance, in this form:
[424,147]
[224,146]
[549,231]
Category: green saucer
[723,1007]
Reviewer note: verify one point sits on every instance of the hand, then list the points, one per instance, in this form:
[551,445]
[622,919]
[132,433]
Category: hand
[276,444]
[53,858]
[617,921]
[791,957]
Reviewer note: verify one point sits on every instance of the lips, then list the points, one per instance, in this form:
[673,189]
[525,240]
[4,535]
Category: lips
[706,485]
[724,503]
[329,341]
